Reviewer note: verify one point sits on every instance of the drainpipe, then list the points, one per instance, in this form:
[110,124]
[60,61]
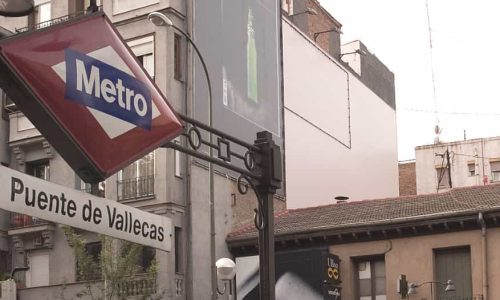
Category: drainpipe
[483,256]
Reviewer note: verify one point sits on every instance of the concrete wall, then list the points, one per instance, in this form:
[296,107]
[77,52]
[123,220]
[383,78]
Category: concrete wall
[414,257]
[372,72]
[462,153]
[340,136]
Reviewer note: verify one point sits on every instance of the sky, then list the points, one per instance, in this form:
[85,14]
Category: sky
[465,41]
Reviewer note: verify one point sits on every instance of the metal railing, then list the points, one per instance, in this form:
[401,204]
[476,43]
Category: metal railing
[136,187]
[20,220]
[138,286]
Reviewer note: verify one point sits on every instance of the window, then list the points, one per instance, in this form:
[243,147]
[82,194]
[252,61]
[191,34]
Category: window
[495,170]
[137,179]
[146,258]
[177,162]
[92,269]
[143,49]
[178,250]
[371,279]
[82,5]
[471,169]
[453,264]
[177,57]
[39,169]
[41,13]
[443,177]
[87,187]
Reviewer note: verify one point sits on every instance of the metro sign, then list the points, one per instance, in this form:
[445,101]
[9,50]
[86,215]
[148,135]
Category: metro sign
[84,90]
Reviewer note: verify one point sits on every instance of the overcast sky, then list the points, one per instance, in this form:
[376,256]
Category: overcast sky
[465,44]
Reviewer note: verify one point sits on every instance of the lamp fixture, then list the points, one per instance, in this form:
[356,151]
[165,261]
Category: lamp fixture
[449,286]
[309,11]
[226,269]
[357,51]
[335,29]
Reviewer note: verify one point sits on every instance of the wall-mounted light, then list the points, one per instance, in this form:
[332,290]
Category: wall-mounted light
[358,51]
[449,287]
[316,34]
[309,11]
[226,269]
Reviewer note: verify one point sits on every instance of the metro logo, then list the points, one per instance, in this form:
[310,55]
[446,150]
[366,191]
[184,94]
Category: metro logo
[98,85]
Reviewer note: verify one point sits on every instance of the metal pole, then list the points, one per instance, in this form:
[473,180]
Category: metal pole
[449,167]
[271,172]
[266,249]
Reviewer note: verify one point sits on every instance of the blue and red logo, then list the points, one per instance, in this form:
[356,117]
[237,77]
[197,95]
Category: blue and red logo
[88,95]
[101,86]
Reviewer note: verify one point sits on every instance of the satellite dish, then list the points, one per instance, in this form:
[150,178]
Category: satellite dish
[16,8]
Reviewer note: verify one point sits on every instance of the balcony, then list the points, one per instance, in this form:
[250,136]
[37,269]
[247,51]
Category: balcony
[138,285]
[138,187]
[30,233]
[20,221]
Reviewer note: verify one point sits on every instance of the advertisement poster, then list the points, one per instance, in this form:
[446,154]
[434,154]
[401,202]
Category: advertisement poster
[241,44]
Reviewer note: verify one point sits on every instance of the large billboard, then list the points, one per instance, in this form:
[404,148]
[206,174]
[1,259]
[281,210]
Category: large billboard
[241,44]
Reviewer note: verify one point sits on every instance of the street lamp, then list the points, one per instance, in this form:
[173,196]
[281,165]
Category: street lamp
[449,287]
[159,19]
[226,269]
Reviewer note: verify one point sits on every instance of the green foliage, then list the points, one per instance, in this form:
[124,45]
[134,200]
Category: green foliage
[4,276]
[116,268]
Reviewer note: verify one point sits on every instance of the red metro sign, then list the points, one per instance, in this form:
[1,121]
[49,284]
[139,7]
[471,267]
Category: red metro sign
[84,90]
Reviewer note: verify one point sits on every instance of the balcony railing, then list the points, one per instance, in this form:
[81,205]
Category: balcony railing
[20,220]
[136,187]
[138,286]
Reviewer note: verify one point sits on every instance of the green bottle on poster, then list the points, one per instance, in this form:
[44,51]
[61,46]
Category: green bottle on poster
[252,88]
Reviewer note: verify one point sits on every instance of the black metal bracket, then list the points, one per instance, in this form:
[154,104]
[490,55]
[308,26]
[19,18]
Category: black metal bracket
[262,172]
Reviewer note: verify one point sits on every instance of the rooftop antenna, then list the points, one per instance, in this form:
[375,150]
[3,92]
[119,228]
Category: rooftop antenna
[437,129]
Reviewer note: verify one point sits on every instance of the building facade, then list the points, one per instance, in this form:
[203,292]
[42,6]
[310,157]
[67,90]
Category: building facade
[442,166]
[435,237]
[340,119]
[169,183]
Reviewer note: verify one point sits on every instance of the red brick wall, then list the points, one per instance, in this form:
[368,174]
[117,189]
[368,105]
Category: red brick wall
[407,179]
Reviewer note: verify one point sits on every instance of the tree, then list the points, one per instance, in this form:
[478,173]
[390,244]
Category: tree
[110,275]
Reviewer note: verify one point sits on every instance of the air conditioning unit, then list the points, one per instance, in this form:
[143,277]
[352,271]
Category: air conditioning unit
[38,241]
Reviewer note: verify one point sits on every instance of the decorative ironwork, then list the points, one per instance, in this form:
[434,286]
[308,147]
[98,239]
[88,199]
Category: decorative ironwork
[228,159]
[54,21]
[261,170]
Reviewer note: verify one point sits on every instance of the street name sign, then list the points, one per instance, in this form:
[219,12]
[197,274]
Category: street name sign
[32,196]
[85,91]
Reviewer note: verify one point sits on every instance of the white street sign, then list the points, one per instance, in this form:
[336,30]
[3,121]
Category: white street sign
[29,195]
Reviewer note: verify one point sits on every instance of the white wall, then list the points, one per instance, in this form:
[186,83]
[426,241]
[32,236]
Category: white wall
[479,152]
[340,138]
